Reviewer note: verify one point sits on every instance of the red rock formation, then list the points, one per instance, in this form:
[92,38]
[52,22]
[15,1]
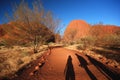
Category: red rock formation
[76,29]
[79,29]
[102,30]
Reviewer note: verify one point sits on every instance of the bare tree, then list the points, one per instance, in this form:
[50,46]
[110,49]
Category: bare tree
[57,37]
[34,22]
[51,22]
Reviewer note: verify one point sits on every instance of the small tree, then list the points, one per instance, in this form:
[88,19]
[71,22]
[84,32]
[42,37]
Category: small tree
[71,36]
[57,37]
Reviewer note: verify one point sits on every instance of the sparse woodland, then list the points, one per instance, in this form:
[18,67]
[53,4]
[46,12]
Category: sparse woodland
[30,30]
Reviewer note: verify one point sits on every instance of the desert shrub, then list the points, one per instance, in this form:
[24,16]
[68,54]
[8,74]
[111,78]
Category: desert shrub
[88,41]
[65,45]
[19,62]
[2,59]
[26,44]
[3,43]
[71,43]
[110,40]
[24,53]
[81,47]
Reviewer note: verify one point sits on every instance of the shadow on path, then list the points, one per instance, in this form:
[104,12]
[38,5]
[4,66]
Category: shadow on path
[69,70]
[104,70]
[83,64]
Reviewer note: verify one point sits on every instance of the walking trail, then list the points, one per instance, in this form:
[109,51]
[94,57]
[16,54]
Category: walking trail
[65,64]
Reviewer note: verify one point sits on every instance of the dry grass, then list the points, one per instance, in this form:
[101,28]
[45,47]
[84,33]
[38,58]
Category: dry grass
[12,59]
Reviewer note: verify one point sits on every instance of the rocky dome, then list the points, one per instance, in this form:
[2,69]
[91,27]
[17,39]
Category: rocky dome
[78,28]
[103,30]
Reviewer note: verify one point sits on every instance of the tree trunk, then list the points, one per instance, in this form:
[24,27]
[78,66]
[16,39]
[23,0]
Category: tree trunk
[35,45]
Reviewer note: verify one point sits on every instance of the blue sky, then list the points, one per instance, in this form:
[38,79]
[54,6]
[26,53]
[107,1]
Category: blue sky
[92,11]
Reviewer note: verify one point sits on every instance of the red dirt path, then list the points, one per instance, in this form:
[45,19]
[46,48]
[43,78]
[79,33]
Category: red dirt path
[65,64]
